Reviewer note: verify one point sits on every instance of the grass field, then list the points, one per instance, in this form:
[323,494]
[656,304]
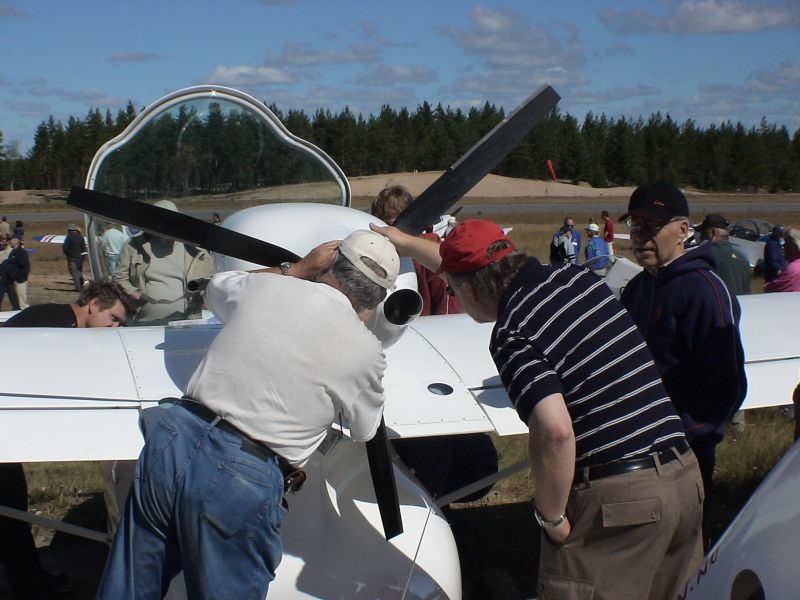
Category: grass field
[497,531]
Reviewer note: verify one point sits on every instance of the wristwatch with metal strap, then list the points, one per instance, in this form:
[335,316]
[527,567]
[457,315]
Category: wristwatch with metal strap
[544,524]
[285,266]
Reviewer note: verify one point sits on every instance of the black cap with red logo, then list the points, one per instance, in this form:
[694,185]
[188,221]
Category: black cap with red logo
[657,201]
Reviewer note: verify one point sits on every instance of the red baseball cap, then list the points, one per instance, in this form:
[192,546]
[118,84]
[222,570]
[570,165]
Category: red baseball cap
[466,247]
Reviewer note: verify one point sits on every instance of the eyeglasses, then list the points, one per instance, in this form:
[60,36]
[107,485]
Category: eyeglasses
[649,228]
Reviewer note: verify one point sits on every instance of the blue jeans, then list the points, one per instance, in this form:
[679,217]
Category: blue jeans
[200,503]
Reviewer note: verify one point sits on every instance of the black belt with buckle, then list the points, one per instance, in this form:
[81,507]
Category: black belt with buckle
[664,456]
[293,479]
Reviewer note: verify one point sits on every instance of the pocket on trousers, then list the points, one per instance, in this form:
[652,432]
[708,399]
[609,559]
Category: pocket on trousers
[701,491]
[558,587]
[626,514]
[156,445]
[235,503]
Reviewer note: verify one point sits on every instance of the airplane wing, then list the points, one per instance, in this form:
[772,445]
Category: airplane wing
[770,329]
[440,380]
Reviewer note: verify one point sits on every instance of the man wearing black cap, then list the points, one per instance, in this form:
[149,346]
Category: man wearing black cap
[688,317]
[732,266]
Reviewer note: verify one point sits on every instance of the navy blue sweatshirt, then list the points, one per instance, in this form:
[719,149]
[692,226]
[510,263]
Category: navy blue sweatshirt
[691,324]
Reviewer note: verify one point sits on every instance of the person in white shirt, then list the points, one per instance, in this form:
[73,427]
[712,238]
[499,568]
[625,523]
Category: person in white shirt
[293,356]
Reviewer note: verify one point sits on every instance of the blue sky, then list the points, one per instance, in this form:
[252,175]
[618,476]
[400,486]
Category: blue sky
[708,60]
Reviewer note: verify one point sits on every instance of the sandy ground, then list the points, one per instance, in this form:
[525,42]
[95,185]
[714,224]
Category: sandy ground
[492,186]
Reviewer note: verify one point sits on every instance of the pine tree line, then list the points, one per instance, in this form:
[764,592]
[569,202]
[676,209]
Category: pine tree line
[601,150]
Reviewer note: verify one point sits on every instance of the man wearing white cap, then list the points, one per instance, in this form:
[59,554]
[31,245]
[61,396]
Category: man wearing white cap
[293,356]
[595,249]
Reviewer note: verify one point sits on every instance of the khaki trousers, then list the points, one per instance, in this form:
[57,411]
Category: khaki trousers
[634,536]
[22,294]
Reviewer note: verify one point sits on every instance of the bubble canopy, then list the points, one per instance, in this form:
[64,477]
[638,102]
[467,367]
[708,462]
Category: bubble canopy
[210,149]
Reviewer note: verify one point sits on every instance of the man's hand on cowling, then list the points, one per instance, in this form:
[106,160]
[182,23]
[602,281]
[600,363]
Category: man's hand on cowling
[316,262]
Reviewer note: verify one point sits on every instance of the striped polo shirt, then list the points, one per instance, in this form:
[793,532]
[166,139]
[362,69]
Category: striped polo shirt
[561,330]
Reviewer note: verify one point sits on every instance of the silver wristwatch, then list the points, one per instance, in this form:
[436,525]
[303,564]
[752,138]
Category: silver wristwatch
[285,266]
[548,524]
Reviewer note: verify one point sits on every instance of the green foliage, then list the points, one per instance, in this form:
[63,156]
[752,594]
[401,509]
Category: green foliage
[602,150]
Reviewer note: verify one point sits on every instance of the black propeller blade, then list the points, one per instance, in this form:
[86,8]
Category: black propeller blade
[180,227]
[382,473]
[479,160]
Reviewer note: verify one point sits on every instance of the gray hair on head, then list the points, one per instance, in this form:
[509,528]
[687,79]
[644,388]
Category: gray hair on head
[363,293]
[492,280]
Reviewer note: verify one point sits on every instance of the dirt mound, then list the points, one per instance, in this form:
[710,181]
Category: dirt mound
[491,186]
[23,197]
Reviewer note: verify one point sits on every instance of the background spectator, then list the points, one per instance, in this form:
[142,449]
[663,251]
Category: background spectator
[774,261]
[74,248]
[789,278]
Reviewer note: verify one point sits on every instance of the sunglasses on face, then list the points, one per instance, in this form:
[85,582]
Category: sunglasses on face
[649,227]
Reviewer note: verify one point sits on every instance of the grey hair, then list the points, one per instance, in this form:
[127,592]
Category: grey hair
[492,280]
[362,292]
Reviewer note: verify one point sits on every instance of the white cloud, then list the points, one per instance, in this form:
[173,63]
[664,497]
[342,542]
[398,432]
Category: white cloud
[514,56]
[615,94]
[303,55]
[705,16]
[392,74]
[248,76]
[27,109]
[87,96]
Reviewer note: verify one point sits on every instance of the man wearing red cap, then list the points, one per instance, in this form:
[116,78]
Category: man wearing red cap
[612,468]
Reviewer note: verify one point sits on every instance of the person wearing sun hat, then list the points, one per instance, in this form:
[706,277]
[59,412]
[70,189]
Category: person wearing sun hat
[688,317]
[292,356]
[607,448]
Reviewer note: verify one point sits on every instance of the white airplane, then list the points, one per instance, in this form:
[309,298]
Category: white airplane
[440,378]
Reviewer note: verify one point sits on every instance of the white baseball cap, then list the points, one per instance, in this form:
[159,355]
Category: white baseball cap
[368,244]
[168,204]
[593,227]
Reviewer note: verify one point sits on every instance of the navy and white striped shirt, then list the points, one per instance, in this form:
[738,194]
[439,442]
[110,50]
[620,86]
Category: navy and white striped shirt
[560,330]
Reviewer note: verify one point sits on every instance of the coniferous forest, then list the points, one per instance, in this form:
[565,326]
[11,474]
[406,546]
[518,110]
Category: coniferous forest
[600,150]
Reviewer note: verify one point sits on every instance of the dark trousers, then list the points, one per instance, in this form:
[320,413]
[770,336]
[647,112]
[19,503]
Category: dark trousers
[75,266]
[7,287]
[705,449]
[18,554]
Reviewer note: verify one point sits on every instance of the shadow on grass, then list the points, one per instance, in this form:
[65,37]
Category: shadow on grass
[494,537]
[81,559]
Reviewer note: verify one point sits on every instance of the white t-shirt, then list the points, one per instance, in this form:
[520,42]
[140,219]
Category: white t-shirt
[291,358]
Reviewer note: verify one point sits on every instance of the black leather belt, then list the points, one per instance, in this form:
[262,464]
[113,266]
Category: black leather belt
[209,416]
[293,479]
[666,455]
